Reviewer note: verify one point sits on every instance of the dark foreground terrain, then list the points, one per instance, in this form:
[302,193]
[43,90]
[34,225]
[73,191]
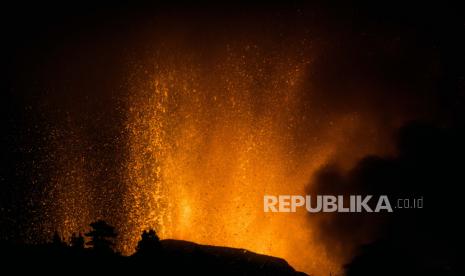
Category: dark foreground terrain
[174,257]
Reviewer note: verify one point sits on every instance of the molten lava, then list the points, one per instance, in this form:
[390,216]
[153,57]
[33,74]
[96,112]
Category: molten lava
[206,144]
[204,140]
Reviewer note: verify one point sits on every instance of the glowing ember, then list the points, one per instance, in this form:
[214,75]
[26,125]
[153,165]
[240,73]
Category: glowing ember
[206,145]
[204,140]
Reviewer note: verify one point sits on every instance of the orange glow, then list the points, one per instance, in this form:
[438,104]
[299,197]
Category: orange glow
[204,140]
[206,145]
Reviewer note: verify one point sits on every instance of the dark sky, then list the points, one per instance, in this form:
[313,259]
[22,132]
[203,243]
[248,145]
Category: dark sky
[414,50]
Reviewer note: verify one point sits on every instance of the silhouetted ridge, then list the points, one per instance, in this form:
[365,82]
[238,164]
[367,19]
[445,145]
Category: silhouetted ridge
[162,257]
[226,259]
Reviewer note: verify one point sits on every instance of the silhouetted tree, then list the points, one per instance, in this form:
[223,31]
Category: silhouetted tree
[57,241]
[149,244]
[101,236]
[77,241]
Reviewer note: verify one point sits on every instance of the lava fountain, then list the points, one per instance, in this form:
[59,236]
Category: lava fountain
[202,137]
[206,142]
[182,122]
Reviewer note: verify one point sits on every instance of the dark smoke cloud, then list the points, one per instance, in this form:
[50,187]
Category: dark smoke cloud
[429,165]
[397,66]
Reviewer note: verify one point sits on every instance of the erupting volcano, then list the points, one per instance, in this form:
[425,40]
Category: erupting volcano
[203,142]
[182,121]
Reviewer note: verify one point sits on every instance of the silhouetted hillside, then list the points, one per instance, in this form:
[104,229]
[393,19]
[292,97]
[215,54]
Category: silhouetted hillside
[174,257]
[224,260]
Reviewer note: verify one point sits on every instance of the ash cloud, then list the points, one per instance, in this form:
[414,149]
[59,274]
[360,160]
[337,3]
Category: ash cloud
[428,165]
[395,70]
